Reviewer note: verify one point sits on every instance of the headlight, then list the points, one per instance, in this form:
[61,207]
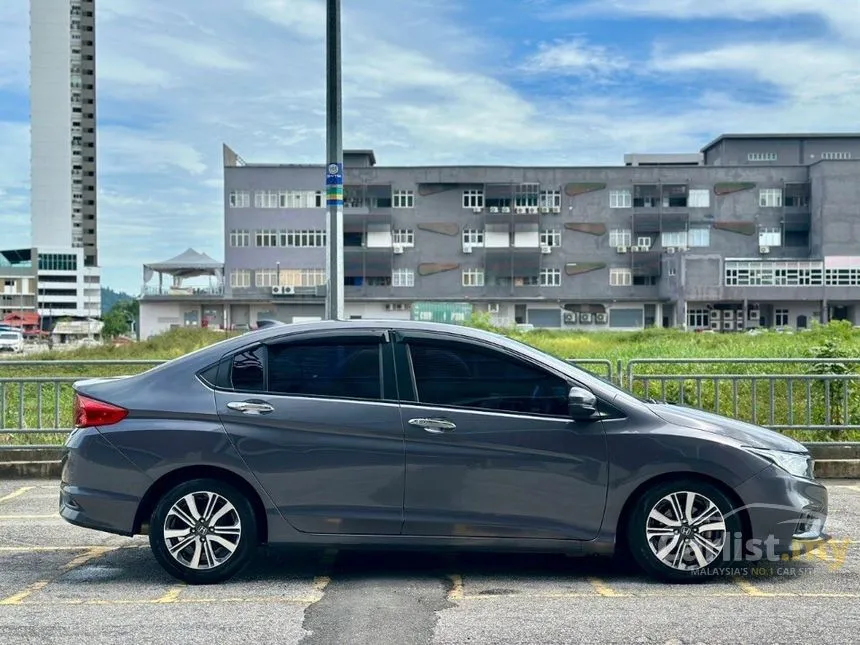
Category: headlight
[799,465]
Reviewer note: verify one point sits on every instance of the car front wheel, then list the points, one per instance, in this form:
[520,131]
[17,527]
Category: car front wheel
[203,531]
[684,530]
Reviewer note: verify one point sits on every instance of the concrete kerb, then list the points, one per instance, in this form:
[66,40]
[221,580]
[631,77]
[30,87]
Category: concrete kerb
[832,461]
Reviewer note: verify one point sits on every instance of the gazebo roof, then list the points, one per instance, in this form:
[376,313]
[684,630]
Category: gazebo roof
[188,264]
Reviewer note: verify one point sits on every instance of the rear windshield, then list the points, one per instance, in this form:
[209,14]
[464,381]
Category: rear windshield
[9,335]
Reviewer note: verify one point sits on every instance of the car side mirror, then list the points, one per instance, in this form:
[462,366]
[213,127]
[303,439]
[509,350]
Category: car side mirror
[581,404]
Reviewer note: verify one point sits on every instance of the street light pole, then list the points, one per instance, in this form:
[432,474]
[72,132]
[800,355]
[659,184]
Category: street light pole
[334,165]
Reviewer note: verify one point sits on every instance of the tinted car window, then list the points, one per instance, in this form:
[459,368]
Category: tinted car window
[349,370]
[461,375]
[247,373]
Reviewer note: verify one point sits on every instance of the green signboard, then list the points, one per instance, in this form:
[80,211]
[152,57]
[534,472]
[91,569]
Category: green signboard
[443,312]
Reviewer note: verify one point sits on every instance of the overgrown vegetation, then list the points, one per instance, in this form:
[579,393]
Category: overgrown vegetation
[737,388]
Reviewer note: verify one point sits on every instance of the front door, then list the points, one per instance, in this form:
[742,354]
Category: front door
[316,419]
[490,448]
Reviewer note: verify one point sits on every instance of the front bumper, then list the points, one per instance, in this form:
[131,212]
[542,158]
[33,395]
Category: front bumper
[786,515]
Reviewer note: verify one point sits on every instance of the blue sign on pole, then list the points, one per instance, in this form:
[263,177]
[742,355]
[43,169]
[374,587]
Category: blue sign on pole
[334,184]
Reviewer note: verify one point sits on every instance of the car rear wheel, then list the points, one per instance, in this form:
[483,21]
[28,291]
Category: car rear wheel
[203,531]
[684,530]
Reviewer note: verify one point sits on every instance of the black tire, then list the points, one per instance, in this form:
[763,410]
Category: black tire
[241,512]
[640,550]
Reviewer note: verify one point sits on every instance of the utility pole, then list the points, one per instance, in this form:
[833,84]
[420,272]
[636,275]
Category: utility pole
[334,165]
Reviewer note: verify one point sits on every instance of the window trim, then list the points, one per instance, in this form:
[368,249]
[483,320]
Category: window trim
[403,352]
[388,382]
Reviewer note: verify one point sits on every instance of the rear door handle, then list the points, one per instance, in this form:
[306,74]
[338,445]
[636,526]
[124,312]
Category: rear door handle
[251,407]
[436,426]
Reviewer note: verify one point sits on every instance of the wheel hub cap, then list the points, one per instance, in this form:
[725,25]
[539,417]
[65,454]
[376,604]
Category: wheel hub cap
[686,531]
[202,530]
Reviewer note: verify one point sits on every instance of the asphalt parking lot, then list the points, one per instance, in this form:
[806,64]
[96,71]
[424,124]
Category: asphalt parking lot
[62,584]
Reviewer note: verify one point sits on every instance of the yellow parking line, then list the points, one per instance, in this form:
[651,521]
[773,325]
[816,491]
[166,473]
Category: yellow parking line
[321,582]
[456,592]
[80,560]
[181,601]
[749,589]
[172,594]
[603,589]
[15,494]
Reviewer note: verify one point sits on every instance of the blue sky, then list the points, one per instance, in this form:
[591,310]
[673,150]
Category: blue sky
[425,81]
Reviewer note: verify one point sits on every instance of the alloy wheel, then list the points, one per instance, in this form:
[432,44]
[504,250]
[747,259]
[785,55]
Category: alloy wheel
[686,531]
[202,530]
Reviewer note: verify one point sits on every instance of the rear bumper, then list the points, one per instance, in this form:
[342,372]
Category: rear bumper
[99,489]
[786,515]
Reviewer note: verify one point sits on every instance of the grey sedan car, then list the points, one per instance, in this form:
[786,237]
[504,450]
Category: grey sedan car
[400,434]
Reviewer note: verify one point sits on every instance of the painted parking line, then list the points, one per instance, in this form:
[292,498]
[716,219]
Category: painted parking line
[272,600]
[91,554]
[604,589]
[16,493]
[456,591]
[87,547]
[172,594]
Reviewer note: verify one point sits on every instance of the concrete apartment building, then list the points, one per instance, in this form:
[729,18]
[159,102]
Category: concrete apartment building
[59,275]
[755,230]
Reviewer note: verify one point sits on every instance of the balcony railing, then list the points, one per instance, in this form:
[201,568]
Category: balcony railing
[183,291]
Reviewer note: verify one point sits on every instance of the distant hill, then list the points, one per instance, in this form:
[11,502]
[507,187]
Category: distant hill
[111,297]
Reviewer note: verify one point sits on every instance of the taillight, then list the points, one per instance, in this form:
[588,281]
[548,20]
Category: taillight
[90,413]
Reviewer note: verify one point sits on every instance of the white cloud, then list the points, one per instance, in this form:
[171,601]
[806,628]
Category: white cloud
[575,57]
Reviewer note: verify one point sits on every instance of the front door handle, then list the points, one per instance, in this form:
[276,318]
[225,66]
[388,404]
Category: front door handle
[251,407]
[436,426]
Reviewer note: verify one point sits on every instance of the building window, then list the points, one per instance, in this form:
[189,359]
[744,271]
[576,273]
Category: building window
[403,236]
[780,317]
[473,237]
[620,199]
[297,199]
[762,156]
[312,238]
[834,156]
[620,277]
[240,238]
[58,262]
[770,198]
[266,238]
[311,278]
[403,199]
[698,318]
[699,198]
[266,199]
[643,241]
[473,199]
[403,278]
[699,236]
[550,237]
[527,195]
[550,277]
[266,277]
[671,271]
[770,236]
[620,237]
[473,277]
[550,199]
[773,274]
[240,278]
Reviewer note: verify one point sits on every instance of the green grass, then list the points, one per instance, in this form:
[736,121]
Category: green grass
[828,343]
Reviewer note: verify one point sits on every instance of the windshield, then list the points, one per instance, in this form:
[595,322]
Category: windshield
[9,336]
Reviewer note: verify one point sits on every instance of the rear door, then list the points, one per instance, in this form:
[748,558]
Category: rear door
[317,421]
[490,448]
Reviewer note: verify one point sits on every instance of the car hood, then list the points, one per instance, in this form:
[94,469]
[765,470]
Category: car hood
[746,433]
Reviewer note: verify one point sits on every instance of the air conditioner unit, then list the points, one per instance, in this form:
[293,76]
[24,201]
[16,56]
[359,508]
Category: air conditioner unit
[277,290]
[533,210]
[477,209]
[544,209]
[727,314]
[728,325]
[715,324]
[638,249]
[506,209]
[521,210]
[493,308]
[546,250]
[601,319]
[584,317]
[714,314]
[389,307]
[398,249]
[670,250]
[569,318]
[739,314]
[288,291]
[764,250]
[556,209]
[467,248]
[621,249]
[754,314]
[494,209]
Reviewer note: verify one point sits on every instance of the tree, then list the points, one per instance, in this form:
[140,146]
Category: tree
[118,320]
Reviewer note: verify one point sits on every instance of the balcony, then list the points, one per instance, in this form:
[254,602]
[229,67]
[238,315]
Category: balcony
[646,265]
[511,261]
[183,292]
[659,222]
[367,261]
